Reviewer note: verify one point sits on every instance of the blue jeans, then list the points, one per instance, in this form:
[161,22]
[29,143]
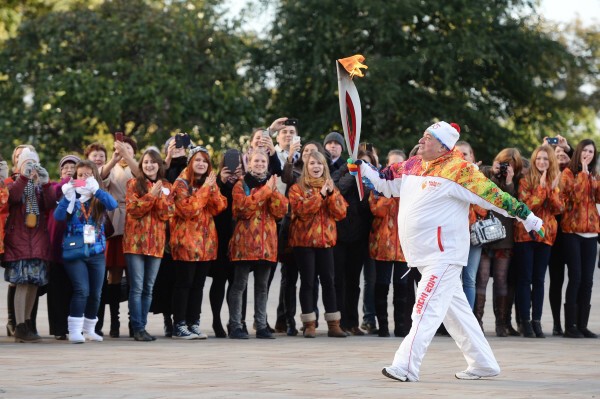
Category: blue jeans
[533,258]
[87,276]
[141,274]
[469,274]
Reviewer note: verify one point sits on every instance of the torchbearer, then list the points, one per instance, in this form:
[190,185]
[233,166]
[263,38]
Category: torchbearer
[436,189]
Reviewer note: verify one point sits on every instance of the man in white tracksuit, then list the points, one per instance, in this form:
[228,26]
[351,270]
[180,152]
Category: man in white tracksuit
[436,189]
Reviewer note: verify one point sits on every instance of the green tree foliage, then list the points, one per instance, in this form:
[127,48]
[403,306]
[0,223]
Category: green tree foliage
[474,62]
[147,68]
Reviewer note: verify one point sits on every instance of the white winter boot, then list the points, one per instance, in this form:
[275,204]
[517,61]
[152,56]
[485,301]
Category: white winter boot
[89,329]
[75,329]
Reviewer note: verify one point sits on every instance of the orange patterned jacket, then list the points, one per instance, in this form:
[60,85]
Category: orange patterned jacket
[474,212]
[580,195]
[146,216]
[313,218]
[255,233]
[193,232]
[384,243]
[3,202]
[545,203]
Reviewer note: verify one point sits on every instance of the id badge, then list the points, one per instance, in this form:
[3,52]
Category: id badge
[89,234]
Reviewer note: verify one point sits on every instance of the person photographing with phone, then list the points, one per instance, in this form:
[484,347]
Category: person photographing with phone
[261,140]
[287,150]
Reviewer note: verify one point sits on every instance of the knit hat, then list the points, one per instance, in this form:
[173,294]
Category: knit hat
[27,155]
[335,136]
[445,133]
[68,158]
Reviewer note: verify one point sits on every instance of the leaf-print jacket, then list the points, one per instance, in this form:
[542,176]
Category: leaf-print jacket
[314,217]
[384,243]
[545,203]
[146,217]
[193,232]
[580,194]
[255,233]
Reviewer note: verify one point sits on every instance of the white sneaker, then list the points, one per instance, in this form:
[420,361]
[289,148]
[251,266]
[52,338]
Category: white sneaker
[195,329]
[393,373]
[468,375]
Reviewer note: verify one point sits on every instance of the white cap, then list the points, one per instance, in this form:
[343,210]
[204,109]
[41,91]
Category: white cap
[445,133]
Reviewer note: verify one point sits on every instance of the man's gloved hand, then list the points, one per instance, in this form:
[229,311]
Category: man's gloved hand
[353,166]
[533,223]
[91,185]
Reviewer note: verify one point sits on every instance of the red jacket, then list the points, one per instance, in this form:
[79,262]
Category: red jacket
[580,195]
[22,242]
[384,242]
[313,218]
[255,234]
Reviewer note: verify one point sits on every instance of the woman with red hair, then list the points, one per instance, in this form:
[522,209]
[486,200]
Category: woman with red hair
[193,240]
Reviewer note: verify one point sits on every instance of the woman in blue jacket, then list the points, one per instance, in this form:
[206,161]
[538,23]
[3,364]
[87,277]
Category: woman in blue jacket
[84,207]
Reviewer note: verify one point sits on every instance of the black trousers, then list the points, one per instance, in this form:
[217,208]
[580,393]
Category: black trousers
[314,262]
[188,290]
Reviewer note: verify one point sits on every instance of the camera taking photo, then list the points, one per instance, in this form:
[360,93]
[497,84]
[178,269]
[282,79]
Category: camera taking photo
[503,169]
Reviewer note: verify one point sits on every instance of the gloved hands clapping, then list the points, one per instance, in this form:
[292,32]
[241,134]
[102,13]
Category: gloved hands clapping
[353,166]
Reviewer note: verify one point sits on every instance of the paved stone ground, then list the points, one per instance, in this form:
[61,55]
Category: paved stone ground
[289,367]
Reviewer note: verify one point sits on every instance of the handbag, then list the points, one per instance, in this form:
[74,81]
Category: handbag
[74,248]
[487,230]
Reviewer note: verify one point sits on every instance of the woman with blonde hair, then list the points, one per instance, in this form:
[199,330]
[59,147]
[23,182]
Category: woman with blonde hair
[316,205]
[539,190]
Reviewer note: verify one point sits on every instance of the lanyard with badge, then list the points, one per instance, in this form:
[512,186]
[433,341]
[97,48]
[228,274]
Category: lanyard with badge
[89,230]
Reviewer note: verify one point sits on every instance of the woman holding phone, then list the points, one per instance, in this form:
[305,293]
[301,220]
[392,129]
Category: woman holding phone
[194,242]
[316,205]
[149,205]
[260,139]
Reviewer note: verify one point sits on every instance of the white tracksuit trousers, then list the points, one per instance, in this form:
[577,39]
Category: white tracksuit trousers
[440,297]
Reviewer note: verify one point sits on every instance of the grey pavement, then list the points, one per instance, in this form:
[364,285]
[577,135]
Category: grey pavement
[289,367]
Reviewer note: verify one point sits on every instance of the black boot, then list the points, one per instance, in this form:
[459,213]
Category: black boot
[557,329]
[527,329]
[500,310]
[381,294]
[536,325]
[113,299]
[23,334]
[401,311]
[168,325]
[571,330]
[582,321]
[10,305]
[31,323]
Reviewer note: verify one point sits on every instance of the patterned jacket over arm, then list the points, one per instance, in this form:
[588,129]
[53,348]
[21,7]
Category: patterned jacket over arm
[384,242]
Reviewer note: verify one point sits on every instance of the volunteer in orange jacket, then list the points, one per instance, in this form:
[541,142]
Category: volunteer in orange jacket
[316,205]
[149,205]
[539,191]
[384,248]
[580,225]
[253,246]
[193,240]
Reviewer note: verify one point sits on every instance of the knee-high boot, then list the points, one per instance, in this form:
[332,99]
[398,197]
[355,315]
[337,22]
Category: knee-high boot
[381,294]
[10,306]
[479,307]
[113,299]
[500,310]
[32,321]
[402,311]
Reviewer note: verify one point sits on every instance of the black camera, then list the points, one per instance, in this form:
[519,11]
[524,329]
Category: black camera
[503,169]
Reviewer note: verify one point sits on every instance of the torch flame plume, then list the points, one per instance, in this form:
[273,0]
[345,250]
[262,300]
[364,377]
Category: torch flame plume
[353,64]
